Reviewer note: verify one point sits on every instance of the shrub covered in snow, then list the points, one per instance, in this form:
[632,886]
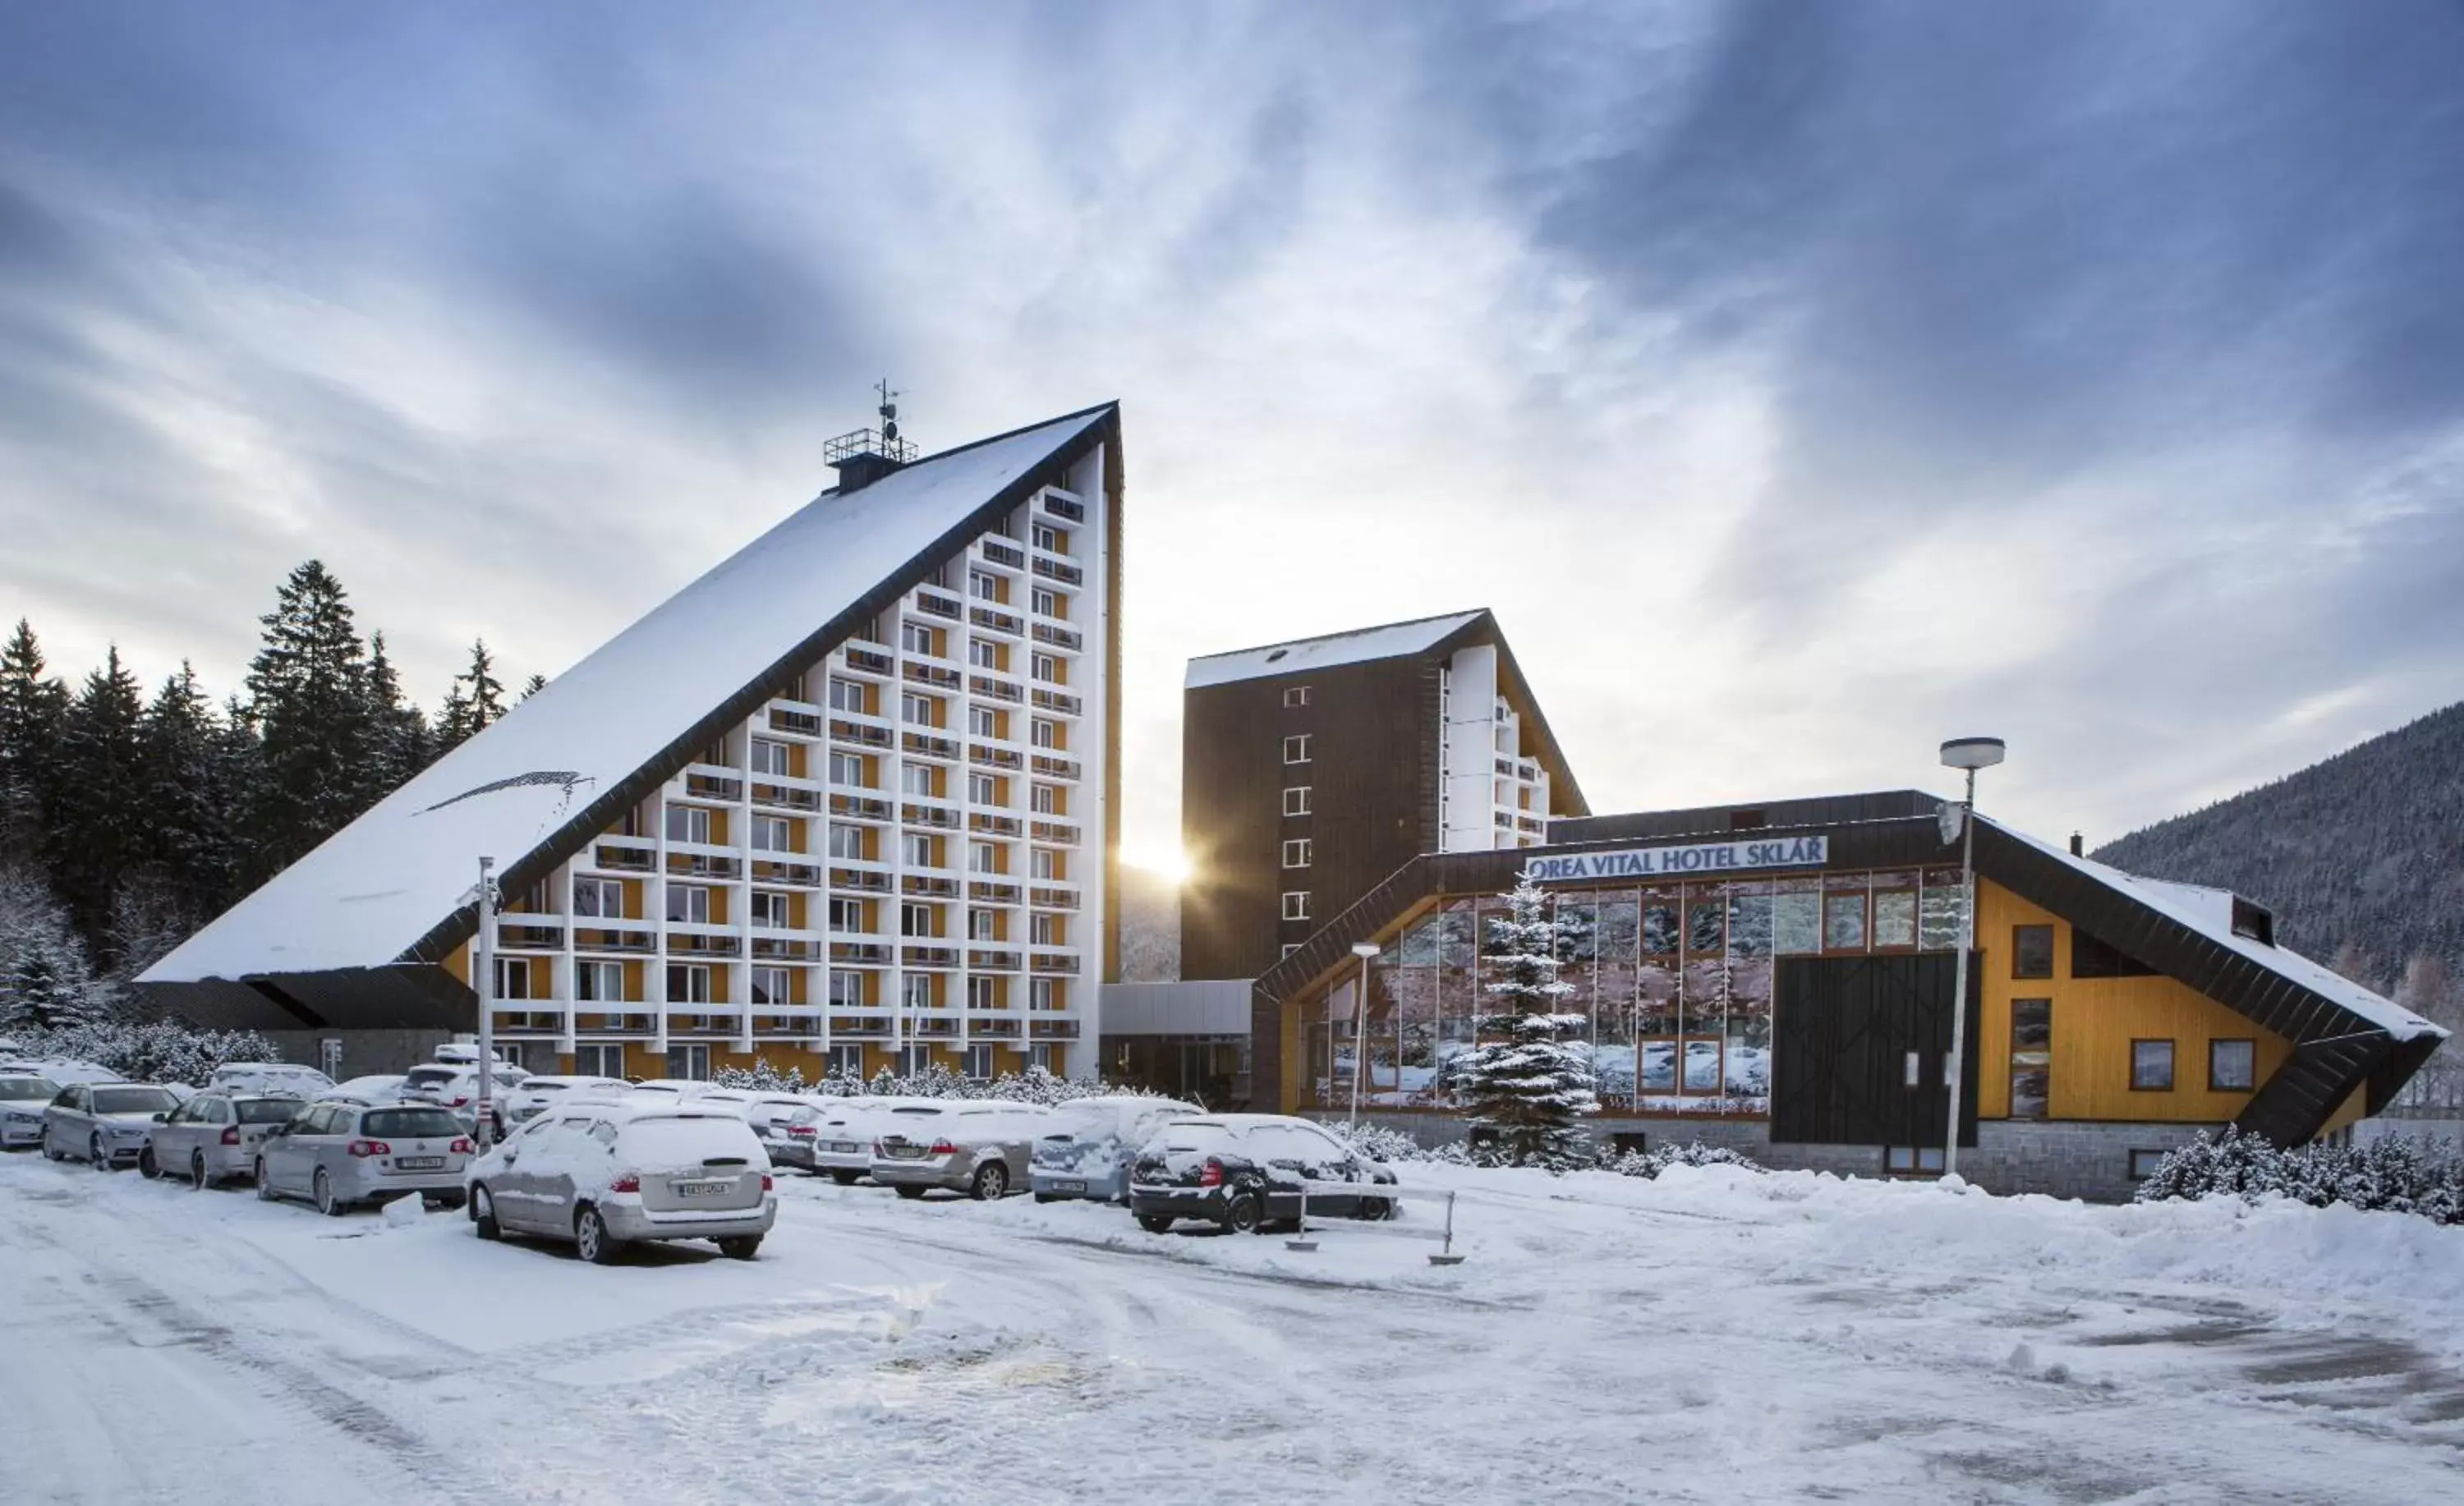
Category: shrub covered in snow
[1649,1164]
[1034,1085]
[2397,1174]
[1375,1143]
[760,1077]
[160,1050]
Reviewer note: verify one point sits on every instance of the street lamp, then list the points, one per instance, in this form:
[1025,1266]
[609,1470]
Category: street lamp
[1366,952]
[1967,754]
[483,980]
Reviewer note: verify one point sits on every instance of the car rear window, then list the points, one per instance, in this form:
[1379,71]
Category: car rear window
[134,1100]
[411,1124]
[664,1141]
[29,1087]
[423,1076]
[267,1110]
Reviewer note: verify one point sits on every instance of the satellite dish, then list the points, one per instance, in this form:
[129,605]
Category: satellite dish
[1953,818]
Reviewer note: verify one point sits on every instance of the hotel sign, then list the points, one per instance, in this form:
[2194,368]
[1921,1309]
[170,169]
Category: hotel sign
[1714,856]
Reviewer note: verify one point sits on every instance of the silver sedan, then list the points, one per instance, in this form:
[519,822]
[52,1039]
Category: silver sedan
[339,1154]
[105,1122]
[979,1149]
[23,1097]
[216,1137]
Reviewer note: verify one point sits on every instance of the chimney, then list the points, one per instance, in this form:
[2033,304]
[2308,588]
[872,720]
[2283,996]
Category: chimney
[861,468]
[2079,848]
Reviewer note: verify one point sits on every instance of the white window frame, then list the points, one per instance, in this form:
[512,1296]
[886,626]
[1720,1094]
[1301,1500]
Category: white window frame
[1297,851]
[917,849]
[775,902]
[850,910]
[1045,995]
[982,721]
[598,1059]
[983,857]
[1296,904]
[988,987]
[600,892]
[766,828]
[1045,732]
[604,983]
[509,969]
[1048,864]
[1050,539]
[695,897]
[852,982]
[1296,800]
[1296,748]
[771,756]
[689,1062]
[915,990]
[847,1061]
[1045,667]
[692,819]
[848,695]
[979,1063]
[983,924]
[783,996]
[913,914]
[1295,695]
[846,841]
[1051,604]
[1046,799]
[852,770]
[689,971]
[920,640]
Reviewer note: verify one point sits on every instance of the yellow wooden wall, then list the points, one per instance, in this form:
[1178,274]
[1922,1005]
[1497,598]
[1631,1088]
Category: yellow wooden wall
[2095,1021]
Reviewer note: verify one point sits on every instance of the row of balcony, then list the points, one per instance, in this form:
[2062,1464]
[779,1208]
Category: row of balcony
[799,1022]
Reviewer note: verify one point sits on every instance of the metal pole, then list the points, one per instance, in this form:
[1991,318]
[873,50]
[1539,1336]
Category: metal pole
[1957,1065]
[1359,1043]
[483,983]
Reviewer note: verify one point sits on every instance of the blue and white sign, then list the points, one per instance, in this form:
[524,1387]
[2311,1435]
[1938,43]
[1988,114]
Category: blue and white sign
[1710,857]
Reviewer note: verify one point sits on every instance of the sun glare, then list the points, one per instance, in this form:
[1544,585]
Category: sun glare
[1166,862]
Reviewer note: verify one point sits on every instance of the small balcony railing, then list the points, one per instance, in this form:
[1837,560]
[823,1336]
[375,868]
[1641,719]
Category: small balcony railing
[864,880]
[992,961]
[992,620]
[1053,899]
[992,824]
[1054,964]
[1059,637]
[930,674]
[864,807]
[930,745]
[868,660]
[1002,552]
[861,734]
[928,956]
[802,724]
[1060,570]
[995,757]
[928,886]
[934,604]
[1056,831]
[1055,767]
[990,893]
[1061,701]
[873,952]
[939,817]
[986,686]
[1063,507]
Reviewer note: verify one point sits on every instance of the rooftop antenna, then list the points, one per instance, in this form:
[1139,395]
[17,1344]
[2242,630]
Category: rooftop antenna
[889,415]
[865,456]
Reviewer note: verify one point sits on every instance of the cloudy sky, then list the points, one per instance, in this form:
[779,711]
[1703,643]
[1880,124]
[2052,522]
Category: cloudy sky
[1800,383]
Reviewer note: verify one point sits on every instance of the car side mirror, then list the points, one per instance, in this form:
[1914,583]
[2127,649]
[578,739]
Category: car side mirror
[162,1117]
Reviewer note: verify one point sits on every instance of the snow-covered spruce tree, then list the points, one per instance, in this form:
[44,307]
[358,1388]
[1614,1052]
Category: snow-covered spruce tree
[46,979]
[1529,1078]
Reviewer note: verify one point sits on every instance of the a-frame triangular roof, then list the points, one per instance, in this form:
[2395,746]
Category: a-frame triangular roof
[396,885]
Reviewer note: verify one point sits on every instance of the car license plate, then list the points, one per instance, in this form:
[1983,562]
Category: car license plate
[698,1189]
[1069,1187]
[419,1163]
[843,1148]
[908,1152]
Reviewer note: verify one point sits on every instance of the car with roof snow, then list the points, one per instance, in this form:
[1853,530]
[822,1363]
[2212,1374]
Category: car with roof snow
[340,1155]
[455,1086]
[1247,1171]
[609,1175]
[976,1146]
[382,1087]
[105,1122]
[214,1137]
[1086,1148]
[843,1142]
[23,1097]
[281,1078]
[764,1110]
[535,1095]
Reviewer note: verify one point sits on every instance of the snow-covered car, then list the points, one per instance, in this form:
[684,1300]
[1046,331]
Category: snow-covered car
[281,1078]
[671,1090]
[1086,1148]
[764,1111]
[383,1087]
[792,1139]
[105,1122]
[214,1137]
[63,1070]
[842,1141]
[1247,1170]
[966,1145]
[538,1094]
[449,1085]
[607,1175]
[338,1155]
[23,1097]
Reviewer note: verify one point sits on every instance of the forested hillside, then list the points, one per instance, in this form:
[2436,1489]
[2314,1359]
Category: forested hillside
[2361,856]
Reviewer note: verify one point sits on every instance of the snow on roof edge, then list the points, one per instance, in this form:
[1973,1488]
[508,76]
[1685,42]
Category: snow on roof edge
[1328,651]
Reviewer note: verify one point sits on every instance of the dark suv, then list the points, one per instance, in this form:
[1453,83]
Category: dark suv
[1246,1170]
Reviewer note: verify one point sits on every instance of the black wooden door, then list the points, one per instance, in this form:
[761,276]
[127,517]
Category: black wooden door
[1842,1032]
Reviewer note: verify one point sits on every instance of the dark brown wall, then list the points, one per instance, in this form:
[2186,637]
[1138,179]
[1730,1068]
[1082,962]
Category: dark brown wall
[1372,768]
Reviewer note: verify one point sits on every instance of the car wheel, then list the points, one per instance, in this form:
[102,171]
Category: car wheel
[146,1166]
[96,1156]
[845,1178]
[483,1213]
[590,1237]
[1376,1210]
[52,1152]
[908,1191]
[991,1183]
[327,1203]
[264,1183]
[1048,1197]
[741,1247]
[197,1177]
[1244,1213]
[1155,1223]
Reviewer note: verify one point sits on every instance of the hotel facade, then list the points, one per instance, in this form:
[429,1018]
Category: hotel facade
[848,802]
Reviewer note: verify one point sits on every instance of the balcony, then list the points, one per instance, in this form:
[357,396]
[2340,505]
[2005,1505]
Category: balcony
[929,746]
[1053,899]
[997,621]
[930,674]
[696,865]
[860,733]
[863,807]
[1055,964]
[863,880]
[995,757]
[801,724]
[694,944]
[929,885]
[990,824]
[1530,824]
[786,798]
[868,660]
[992,1027]
[934,815]
[991,961]
[1061,701]
[935,604]
[711,787]
[1002,552]
[858,1027]
[984,685]
[786,949]
[1061,832]
[987,893]
[623,860]
[872,953]
[1059,637]
[1056,768]
[933,1027]
[1063,507]
[529,936]
[1052,1029]
[803,875]
[602,939]
[1060,570]
[928,956]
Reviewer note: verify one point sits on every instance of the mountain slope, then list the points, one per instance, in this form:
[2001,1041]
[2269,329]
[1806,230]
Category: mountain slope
[2361,856]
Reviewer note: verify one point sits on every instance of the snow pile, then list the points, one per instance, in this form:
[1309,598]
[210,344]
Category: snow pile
[1649,1164]
[2395,1174]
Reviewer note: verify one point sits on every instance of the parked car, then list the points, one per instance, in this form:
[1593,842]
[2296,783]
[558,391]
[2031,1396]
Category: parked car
[214,1137]
[449,1085]
[672,1090]
[23,1097]
[336,1155]
[384,1087]
[794,1138]
[959,1144]
[281,1078]
[761,1110]
[842,1147]
[535,1095]
[104,1123]
[1243,1171]
[607,1175]
[1086,1149]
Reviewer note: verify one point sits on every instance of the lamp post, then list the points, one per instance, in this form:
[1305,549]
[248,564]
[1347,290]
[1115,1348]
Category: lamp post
[483,982]
[1365,951]
[1967,754]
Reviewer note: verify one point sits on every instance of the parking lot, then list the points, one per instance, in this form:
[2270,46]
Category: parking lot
[1688,1340]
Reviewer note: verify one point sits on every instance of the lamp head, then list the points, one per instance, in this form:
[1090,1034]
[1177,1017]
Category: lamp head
[1366,949]
[1971,753]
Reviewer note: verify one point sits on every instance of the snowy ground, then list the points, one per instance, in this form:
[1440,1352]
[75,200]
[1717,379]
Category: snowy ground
[1712,1337]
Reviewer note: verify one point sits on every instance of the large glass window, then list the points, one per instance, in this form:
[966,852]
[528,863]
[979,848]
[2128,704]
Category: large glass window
[1939,912]
[1749,920]
[2032,951]
[1797,916]
[1843,920]
[2232,1065]
[2032,1056]
[2152,1066]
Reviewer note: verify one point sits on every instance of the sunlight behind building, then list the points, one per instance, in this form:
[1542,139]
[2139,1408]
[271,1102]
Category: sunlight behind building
[1165,860]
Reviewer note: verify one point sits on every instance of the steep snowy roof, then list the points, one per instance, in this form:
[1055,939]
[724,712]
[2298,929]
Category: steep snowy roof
[374,889]
[2211,913]
[1321,653]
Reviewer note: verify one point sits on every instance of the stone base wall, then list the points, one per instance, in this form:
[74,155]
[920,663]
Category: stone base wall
[2089,1161]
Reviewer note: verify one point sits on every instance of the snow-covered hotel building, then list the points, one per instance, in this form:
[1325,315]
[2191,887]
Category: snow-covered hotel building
[848,800]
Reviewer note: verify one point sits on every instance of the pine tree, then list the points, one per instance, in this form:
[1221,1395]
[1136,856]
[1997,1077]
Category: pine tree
[46,981]
[468,713]
[308,695]
[534,686]
[1530,1076]
[32,708]
[99,826]
[403,741]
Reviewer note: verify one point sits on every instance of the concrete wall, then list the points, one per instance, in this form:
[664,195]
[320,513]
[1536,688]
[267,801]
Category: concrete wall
[2082,1160]
[364,1051]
